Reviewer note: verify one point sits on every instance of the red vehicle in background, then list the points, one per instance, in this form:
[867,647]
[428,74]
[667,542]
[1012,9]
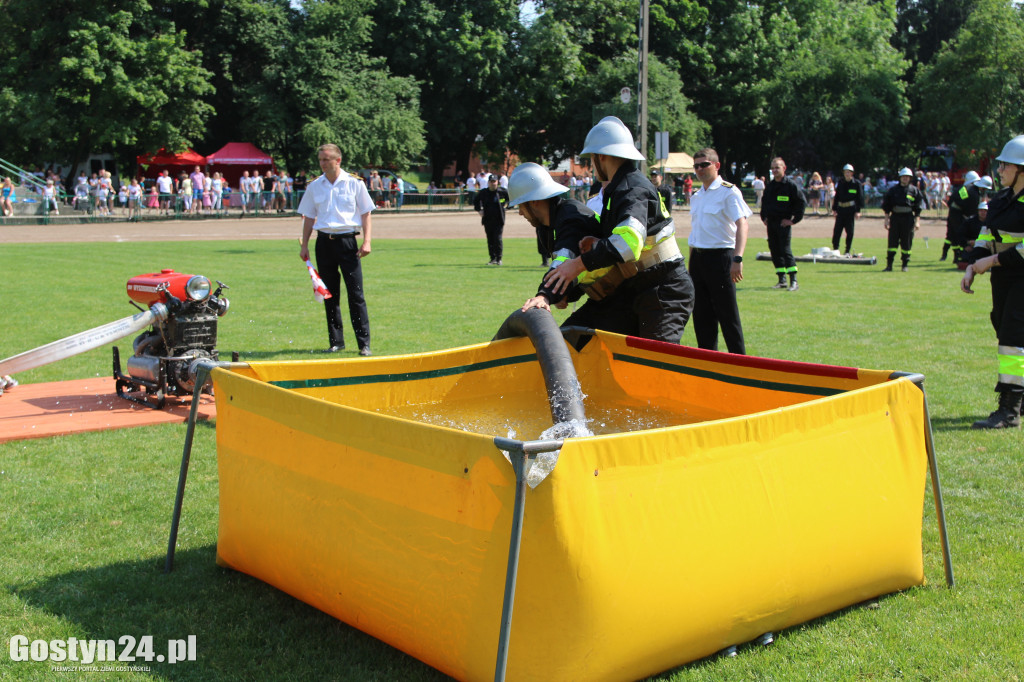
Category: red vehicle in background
[943,158]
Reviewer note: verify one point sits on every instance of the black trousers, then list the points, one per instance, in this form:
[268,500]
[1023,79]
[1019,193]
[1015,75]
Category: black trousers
[654,304]
[844,222]
[494,246]
[715,303]
[338,258]
[779,238]
[1008,317]
[901,236]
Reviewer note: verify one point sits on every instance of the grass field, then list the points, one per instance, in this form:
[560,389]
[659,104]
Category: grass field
[84,519]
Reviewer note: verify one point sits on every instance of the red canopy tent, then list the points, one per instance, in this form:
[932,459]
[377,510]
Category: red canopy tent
[152,164]
[235,157]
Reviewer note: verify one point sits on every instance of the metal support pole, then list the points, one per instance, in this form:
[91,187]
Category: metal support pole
[201,372]
[522,456]
[933,468]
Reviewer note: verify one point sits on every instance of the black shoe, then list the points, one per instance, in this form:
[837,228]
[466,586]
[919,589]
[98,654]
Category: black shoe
[888,268]
[1007,416]
[335,349]
[365,351]
[779,285]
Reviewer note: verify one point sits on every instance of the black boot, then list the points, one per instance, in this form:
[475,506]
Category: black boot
[888,264]
[945,250]
[1007,416]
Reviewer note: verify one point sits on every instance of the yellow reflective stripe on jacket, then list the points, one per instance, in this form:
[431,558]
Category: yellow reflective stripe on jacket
[664,209]
[590,276]
[628,239]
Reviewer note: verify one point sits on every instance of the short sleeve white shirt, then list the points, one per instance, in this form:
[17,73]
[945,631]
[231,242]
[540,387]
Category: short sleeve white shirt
[164,184]
[713,215]
[471,183]
[336,208]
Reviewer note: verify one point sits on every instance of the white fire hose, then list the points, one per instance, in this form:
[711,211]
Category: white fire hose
[83,341]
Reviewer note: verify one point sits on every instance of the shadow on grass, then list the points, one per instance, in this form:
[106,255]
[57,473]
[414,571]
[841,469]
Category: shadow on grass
[955,423]
[244,628]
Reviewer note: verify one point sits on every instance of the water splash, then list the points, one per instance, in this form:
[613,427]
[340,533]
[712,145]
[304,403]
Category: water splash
[545,462]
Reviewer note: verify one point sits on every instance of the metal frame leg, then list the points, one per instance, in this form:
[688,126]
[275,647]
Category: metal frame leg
[201,371]
[522,456]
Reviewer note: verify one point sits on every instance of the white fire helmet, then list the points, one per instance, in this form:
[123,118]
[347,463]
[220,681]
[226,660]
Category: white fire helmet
[906,171]
[1013,151]
[611,137]
[983,206]
[530,182]
[984,182]
[971,178]
[848,167]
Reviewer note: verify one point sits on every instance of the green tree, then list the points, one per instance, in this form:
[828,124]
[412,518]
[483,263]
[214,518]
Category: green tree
[330,90]
[95,78]
[576,57]
[972,95]
[839,95]
[461,52]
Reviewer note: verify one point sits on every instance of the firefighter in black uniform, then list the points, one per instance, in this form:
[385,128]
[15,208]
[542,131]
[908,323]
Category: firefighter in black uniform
[545,205]
[636,254]
[1000,248]
[963,203]
[963,238]
[490,203]
[782,207]
[902,206]
[664,190]
[846,207]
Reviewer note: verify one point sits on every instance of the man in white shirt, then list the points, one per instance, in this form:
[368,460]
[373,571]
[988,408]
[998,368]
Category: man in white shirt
[718,237]
[338,206]
[165,188]
[758,187]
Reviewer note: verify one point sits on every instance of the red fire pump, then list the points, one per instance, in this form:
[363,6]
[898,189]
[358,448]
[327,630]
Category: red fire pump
[163,355]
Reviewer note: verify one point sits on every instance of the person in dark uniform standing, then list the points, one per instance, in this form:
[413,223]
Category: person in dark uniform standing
[1000,248]
[338,207]
[636,254]
[490,203]
[846,207]
[962,203]
[902,206]
[664,190]
[782,207]
[718,237]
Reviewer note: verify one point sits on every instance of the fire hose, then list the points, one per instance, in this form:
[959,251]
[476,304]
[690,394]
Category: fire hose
[83,341]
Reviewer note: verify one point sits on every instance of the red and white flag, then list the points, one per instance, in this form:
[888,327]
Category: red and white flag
[319,288]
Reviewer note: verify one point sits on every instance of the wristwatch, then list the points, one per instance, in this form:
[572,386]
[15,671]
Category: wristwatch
[737,259]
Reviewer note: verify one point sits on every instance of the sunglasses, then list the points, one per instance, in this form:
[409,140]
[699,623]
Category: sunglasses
[702,165]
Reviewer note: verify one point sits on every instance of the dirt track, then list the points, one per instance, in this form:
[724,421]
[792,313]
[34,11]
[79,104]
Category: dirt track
[385,226]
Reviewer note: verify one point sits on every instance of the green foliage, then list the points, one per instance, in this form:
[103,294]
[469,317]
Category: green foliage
[461,54]
[93,77]
[844,81]
[340,95]
[982,66]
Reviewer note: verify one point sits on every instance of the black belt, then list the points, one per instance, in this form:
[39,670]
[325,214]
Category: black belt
[697,249]
[339,235]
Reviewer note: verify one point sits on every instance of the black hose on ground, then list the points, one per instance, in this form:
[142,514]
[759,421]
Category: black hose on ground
[564,395]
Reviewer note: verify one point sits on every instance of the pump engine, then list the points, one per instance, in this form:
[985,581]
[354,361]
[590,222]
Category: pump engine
[163,355]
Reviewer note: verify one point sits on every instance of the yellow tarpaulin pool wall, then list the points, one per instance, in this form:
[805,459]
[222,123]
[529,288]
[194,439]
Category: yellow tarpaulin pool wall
[786,492]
